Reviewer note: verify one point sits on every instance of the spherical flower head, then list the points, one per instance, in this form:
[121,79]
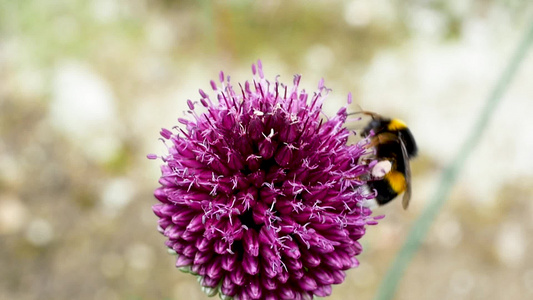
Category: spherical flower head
[261,196]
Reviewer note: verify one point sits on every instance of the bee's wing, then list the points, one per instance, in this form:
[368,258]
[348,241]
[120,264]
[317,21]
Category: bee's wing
[407,193]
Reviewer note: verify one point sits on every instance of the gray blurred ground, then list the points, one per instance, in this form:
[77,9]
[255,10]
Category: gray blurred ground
[85,87]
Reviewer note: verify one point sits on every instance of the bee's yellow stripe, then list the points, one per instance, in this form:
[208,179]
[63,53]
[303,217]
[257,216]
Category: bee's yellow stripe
[396,181]
[396,125]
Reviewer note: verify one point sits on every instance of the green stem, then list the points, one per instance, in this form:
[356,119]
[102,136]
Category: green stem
[449,177]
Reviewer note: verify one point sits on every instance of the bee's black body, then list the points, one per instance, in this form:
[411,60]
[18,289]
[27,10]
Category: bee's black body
[394,142]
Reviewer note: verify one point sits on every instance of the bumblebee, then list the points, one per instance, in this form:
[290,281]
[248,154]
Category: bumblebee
[394,144]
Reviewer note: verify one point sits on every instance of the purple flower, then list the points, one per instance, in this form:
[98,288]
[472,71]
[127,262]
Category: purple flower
[261,197]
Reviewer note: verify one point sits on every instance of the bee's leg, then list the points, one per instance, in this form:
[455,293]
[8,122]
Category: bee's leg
[385,137]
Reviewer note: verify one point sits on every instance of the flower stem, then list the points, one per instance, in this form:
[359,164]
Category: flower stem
[449,177]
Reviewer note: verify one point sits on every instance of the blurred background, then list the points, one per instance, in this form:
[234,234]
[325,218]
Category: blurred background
[85,87]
